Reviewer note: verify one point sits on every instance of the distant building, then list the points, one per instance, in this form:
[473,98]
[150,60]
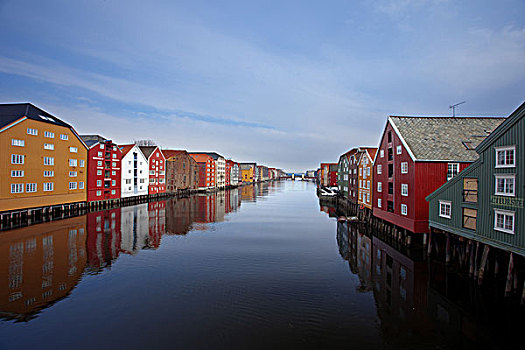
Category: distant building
[104,169]
[248,172]
[43,159]
[329,174]
[207,171]
[182,171]
[157,169]
[416,156]
[220,168]
[135,173]
[365,173]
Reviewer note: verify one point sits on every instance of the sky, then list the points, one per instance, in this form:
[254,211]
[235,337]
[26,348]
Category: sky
[288,84]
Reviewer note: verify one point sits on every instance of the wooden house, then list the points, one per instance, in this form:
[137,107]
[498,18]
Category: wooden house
[365,176]
[157,169]
[207,171]
[182,171]
[416,156]
[135,172]
[485,202]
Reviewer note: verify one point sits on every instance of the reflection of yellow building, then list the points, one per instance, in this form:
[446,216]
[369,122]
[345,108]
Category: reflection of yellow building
[39,265]
[43,160]
[365,174]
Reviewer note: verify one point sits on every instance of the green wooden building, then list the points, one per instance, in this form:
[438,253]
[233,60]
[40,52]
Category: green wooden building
[485,202]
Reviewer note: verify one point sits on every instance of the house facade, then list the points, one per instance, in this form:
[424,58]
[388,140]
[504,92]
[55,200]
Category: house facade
[485,202]
[135,172]
[157,169]
[104,169]
[219,169]
[182,171]
[232,173]
[416,155]
[329,174]
[365,176]
[248,172]
[43,159]
[207,171]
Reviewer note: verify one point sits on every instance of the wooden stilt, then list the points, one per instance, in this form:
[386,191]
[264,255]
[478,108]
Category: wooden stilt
[447,251]
[510,275]
[483,264]
[429,248]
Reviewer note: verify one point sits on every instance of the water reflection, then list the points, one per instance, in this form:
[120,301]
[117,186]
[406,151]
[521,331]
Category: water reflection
[42,264]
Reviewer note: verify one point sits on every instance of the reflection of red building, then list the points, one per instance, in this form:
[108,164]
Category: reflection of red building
[157,222]
[39,265]
[206,208]
[103,238]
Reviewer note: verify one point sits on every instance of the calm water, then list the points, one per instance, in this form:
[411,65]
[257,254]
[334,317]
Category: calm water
[257,267]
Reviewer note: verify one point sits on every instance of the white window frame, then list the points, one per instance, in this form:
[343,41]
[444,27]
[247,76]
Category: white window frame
[379,203]
[505,177]
[404,209]
[504,149]
[379,187]
[31,131]
[73,162]
[379,169]
[17,188]
[48,186]
[398,149]
[64,137]
[49,146]
[456,165]
[381,153]
[81,163]
[49,134]
[73,149]
[505,213]
[444,204]
[72,185]
[17,143]
[17,173]
[17,158]
[49,173]
[404,190]
[49,161]
[99,172]
[81,185]
[404,167]
[99,183]
[31,187]
[72,174]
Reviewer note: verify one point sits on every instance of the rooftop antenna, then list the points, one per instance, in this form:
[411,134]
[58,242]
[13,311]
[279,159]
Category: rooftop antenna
[453,107]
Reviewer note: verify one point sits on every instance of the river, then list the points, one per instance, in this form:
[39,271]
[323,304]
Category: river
[262,266]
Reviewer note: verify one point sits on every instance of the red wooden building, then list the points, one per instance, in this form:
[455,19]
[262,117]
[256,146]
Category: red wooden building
[207,170]
[104,169]
[417,155]
[157,169]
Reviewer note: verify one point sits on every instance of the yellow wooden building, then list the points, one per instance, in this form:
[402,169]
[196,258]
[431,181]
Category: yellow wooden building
[365,181]
[43,161]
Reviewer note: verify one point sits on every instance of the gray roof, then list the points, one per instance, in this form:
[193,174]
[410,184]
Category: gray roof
[11,112]
[445,138]
[91,140]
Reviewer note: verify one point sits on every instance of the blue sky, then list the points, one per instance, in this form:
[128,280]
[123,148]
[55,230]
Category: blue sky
[283,83]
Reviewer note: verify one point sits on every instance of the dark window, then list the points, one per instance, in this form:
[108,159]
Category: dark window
[390,188]
[390,206]
[390,156]
[389,137]
[390,170]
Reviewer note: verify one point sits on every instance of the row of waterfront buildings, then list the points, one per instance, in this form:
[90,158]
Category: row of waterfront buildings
[45,163]
[453,175]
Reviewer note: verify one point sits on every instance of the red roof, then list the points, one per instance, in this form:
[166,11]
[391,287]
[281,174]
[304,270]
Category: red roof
[372,151]
[125,148]
[168,153]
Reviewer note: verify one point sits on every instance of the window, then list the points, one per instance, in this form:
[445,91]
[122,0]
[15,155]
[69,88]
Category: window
[49,161]
[161,181]
[390,188]
[114,155]
[99,172]
[99,183]
[152,181]
[113,191]
[49,146]
[64,137]
[390,206]
[390,170]
[367,184]
[505,157]
[31,187]
[81,185]
[113,182]
[72,185]
[17,159]
[504,220]
[17,188]
[48,186]
[101,146]
[390,154]
[72,162]
[17,173]
[381,153]
[99,193]
[470,190]
[128,181]
[16,142]
[504,185]
[142,181]
[81,163]
[404,189]
[99,163]
[404,167]
[99,154]
[113,172]
[398,150]
[453,170]
[404,209]
[470,218]
[389,136]
[49,173]
[113,164]
[49,134]
[379,187]
[33,132]
[445,208]
[72,174]
[73,149]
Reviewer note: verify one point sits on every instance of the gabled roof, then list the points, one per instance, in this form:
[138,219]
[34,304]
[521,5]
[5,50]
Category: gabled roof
[125,148]
[372,151]
[11,112]
[91,140]
[147,150]
[168,153]
[348,153]
[443,138]
[211,154]
[502,128]
[200,157]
